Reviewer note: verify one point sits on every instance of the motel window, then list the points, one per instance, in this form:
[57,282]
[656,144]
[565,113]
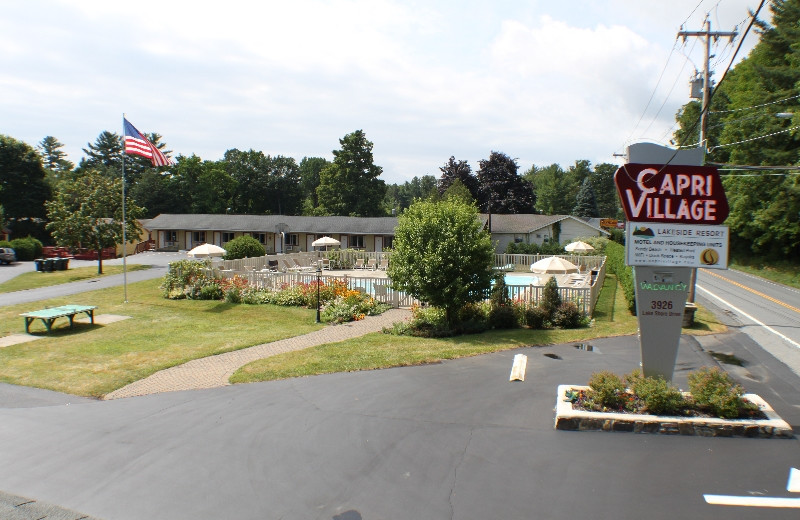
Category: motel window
[198,236]
[292,239]
[387,242]
[227,236]
[357,241]
[261,237]
[171,236]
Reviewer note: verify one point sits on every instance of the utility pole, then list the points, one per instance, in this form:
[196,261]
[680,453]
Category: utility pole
[707,35]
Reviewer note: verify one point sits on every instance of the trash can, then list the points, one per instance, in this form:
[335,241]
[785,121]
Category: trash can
[48,265]
[39,263]
[60,264]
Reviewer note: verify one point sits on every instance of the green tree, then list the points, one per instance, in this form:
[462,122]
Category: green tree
[310,168]
[501,189]
[105,151]
[605,190]
[265,185]
[457,190]
[453,171]
[743,130]
[442,255]
[350,185]
[54,158]
[585,201]
[23,189]
[88,213]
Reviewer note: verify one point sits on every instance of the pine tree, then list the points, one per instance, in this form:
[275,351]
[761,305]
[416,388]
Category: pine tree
[585,201]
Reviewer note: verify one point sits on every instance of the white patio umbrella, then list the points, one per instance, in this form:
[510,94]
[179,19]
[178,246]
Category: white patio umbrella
[578,247]
[554,265]
[325,242]
[206,250]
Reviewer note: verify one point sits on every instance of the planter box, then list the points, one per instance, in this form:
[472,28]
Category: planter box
[569,419]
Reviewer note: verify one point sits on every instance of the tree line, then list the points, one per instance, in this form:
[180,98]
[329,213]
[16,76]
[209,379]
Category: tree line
[251,182]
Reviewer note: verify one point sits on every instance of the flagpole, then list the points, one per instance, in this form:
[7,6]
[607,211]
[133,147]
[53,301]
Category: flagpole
[124,224]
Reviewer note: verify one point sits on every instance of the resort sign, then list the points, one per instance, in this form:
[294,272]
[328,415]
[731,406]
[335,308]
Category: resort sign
[675,208]
[681,245]
[671,193]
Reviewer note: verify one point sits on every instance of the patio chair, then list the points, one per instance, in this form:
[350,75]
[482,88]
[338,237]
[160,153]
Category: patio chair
[372,264]
[384,264]
[325,264]
[359,263]
[272,265]
[300,267]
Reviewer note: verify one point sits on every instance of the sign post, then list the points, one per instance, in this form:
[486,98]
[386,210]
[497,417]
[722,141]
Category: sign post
[674,212]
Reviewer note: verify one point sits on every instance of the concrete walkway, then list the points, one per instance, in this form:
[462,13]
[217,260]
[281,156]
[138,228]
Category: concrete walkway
[214,371]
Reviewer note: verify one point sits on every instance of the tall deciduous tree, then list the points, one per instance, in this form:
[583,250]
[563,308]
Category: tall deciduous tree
[310,169]
[442,255]
[501,189]
[350,185]
[23,190]
[88,213]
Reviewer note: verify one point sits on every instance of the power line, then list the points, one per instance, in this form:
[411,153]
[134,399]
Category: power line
[754,138]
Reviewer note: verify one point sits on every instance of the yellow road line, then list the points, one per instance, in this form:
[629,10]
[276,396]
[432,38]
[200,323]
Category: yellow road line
[737,284]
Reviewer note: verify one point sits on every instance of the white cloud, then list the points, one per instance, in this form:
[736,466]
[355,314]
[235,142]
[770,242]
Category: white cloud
[542,82]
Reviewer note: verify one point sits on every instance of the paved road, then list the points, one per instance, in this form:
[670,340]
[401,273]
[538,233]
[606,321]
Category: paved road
[767,312]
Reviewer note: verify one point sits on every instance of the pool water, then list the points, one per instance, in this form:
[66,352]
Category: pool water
[525,279]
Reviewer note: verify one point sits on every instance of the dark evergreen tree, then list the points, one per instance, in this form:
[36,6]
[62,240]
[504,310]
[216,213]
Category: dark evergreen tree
[54,158]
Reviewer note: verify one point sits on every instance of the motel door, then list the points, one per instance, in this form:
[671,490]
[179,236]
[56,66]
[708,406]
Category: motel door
[343,240]
[378,244]
[188,240]
[309,240]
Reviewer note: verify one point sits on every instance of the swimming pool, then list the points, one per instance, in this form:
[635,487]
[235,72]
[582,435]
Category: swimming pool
[525,279]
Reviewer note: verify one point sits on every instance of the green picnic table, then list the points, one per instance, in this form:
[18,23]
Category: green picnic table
[49,315]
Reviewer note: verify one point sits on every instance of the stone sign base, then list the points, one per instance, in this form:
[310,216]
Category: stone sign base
[569,419]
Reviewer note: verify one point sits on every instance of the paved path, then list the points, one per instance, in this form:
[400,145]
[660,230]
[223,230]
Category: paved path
[214,371]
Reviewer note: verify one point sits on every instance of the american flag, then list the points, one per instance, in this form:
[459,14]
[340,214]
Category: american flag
[136,143]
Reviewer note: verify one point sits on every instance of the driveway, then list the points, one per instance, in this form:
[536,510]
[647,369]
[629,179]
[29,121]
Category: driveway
[442,441]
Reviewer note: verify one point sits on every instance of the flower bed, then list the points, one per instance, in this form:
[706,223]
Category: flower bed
[568,417]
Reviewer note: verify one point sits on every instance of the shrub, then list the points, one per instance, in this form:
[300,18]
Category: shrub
[27,248]
[184,278]
[658,395]
[713,388]
[503,317]
[212,291]
[567,316]
[536,317]
[243,247]
[473,318]
[551,299]
[607,390]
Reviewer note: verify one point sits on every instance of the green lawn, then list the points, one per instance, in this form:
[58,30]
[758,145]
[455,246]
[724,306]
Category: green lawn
[379,350]
[37,279]
[94,360]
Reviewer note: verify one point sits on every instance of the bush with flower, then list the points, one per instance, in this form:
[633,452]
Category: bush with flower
[188,279]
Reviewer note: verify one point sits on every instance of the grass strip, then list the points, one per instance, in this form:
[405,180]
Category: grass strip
[38,279]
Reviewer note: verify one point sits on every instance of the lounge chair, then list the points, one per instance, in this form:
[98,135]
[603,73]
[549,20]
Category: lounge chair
[384,264]
[300,267]
[287,267]
[359,263]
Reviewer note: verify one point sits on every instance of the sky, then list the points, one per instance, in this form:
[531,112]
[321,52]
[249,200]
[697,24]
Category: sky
[543,82]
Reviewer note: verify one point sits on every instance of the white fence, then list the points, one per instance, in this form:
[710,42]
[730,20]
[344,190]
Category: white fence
[380,287]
